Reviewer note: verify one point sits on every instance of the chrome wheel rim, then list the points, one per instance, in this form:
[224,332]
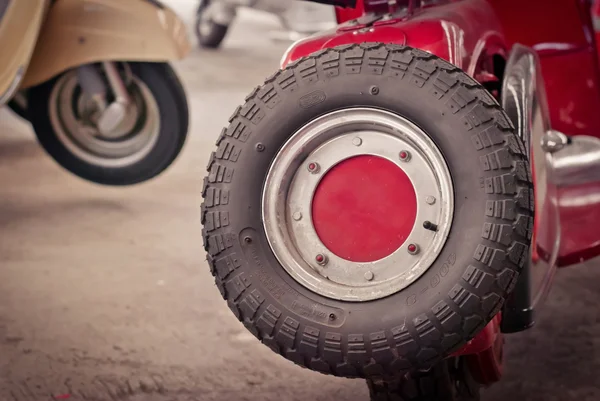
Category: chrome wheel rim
[71,117]
[291,183]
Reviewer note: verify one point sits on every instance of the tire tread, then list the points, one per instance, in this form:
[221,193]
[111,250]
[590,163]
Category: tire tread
[496,262]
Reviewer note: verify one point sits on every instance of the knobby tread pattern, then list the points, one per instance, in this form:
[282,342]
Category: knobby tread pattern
[486,281]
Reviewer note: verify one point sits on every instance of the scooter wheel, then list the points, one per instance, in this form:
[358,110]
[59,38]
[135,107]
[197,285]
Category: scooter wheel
[144,143]
[367,210]
[209,33]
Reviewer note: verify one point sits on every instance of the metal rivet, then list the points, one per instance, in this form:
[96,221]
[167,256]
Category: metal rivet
[297,216]
[313,167]
[413,249]
[369,275]
[430,200]
[247,240]
[332,316]
[404,155]
[321,259]
[553,141]
[357,141]
[374,90]
[260,147]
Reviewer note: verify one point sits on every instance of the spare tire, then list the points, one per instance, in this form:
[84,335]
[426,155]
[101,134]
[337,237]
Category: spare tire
[367,210]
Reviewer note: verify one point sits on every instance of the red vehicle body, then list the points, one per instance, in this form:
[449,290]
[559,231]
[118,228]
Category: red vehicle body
[478,36]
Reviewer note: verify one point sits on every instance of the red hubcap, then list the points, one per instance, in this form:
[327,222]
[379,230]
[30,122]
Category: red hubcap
[364,208]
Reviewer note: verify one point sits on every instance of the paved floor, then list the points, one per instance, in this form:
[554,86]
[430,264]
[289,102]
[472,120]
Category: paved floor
[105,294]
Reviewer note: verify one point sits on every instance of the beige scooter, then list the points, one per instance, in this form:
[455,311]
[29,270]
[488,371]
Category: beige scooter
[92,77]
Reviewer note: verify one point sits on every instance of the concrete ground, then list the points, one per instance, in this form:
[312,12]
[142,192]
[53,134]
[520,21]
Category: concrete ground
[105,293]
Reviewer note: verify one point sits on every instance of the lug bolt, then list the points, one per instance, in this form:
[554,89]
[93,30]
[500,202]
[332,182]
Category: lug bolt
[321,259]
[430,200]
[313,167]
[369,275]
[357,141]
[297,216]
[404,155]
[413,249]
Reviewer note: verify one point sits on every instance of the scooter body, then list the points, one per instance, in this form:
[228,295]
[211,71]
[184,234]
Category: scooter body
[225,10]
[17,41]
[111,59]
[214,17]
[79,32]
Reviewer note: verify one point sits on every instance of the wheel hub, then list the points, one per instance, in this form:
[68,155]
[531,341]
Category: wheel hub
[358,204]
[364,208]
[74,117]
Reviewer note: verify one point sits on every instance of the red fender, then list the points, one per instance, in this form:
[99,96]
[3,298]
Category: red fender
[461,33]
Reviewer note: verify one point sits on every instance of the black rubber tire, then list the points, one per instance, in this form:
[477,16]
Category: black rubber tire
[217,32]
[460,292]
[449,380]
[174,120]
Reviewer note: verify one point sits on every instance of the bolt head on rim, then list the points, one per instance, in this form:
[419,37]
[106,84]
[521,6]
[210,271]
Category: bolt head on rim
[321,259]
[413,249]
[313,167]
[363,206]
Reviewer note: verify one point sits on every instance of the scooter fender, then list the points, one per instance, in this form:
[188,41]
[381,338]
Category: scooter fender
[20,23]
[461,33]
[80,32]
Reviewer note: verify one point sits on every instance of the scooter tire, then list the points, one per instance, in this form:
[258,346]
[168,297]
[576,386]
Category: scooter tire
[462,290]
[171,101]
